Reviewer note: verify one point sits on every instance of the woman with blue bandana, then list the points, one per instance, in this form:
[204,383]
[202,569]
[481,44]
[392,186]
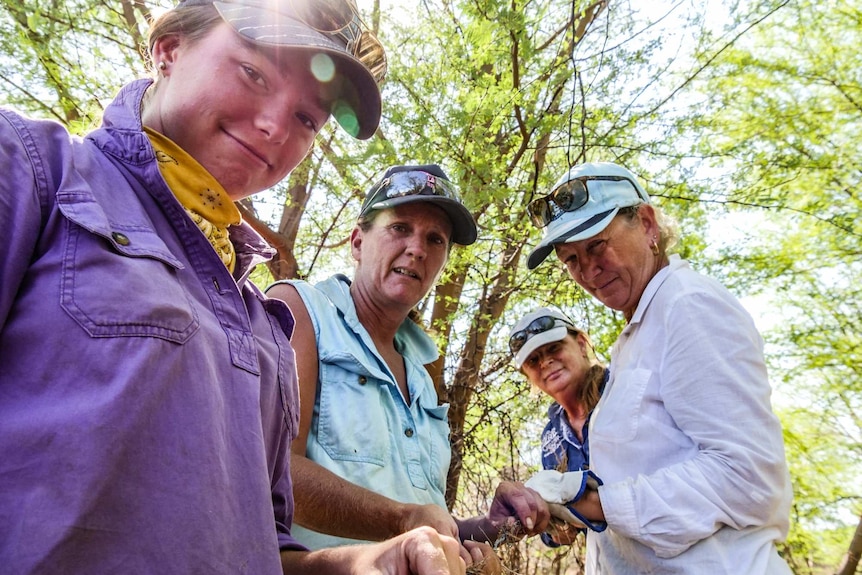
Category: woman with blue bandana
[558,359]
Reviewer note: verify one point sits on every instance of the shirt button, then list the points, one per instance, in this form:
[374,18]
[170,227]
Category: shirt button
[121,239]
[363,380]
[408,432]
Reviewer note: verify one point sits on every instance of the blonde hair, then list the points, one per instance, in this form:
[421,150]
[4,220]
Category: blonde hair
[667,226]
[591,390]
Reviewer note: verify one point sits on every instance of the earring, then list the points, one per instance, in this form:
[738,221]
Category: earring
[162,65]
[654,246]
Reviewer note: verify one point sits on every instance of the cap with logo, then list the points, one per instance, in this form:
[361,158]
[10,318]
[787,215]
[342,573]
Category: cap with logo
[422,183]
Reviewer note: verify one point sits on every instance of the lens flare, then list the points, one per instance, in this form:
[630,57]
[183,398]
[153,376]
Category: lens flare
[323,67]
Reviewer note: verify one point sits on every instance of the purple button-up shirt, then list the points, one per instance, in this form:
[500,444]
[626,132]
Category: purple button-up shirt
[147,397]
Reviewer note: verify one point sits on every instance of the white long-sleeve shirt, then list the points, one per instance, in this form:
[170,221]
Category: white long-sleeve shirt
[685,440]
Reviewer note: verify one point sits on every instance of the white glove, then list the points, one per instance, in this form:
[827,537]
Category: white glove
[561,512]
[560,490]
[565,488]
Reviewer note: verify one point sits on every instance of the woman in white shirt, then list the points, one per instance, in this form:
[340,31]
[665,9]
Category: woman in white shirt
[684,438]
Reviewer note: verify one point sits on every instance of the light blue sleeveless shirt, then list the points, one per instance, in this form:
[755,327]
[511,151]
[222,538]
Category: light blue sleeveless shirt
[362,428]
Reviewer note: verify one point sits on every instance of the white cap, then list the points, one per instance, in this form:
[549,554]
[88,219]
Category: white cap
[606,197]
[534,342]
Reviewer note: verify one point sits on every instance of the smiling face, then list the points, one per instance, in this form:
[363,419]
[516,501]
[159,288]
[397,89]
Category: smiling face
[559,368]
[248,114]
[615,265]
[401,255]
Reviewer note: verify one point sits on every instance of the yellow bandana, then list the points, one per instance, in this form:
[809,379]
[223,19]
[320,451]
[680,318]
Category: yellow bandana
[204,199]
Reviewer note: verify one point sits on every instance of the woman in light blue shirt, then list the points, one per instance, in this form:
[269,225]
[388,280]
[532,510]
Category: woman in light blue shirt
[373,449]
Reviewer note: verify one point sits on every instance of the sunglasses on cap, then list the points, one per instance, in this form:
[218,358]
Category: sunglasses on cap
[341,18]
[410,183]
[537,326]
[568,197]
[337,18]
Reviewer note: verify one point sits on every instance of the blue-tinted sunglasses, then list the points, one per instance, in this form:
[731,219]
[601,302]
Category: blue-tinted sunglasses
[411,183]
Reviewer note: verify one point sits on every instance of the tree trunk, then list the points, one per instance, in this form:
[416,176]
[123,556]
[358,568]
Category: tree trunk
[851,559]
[446,298]
[464,383]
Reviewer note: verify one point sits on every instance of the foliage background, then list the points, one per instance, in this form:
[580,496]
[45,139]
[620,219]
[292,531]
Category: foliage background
[742,118]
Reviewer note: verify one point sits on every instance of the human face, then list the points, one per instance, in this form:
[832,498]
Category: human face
[246,113]
[559,368]
[615,265]
[401,256]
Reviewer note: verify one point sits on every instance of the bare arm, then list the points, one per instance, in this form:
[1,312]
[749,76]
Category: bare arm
[590,506]
[324,501]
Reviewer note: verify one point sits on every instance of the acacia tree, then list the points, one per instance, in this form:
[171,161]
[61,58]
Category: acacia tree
[63,60]
[491,120]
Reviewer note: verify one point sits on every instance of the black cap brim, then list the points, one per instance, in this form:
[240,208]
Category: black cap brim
[464,231]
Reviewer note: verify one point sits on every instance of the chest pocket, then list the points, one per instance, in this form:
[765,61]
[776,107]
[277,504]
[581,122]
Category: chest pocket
[619,412]
[123,282]
[353,419]
[438,439]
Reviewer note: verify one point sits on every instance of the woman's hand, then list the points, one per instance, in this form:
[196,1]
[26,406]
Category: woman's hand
[482,559]
[421,551]
[428,515]
[516,505]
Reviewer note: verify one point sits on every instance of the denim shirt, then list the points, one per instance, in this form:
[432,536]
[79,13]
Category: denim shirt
[362,428]
[147,397]
[561,449]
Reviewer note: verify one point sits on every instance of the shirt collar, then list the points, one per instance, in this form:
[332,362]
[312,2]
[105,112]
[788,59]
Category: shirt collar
[251,250]
[410,340]
[652,287]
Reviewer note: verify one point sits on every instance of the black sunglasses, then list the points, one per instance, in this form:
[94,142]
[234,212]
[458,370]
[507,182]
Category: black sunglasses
[538,325]
[568,197]
[411,183]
